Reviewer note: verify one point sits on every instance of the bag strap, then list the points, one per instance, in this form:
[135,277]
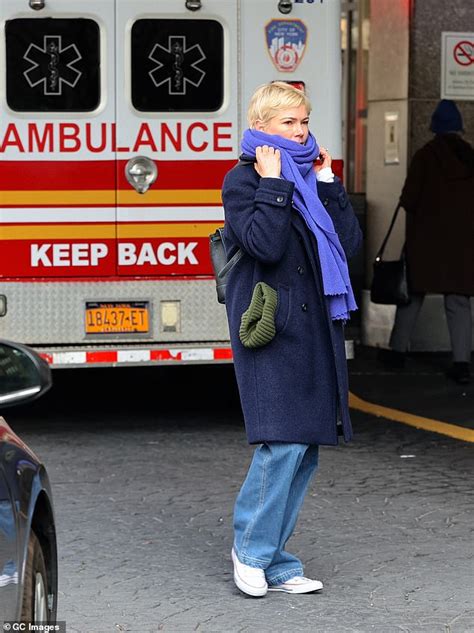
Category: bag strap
[381,250]
[232,261]
[238,254]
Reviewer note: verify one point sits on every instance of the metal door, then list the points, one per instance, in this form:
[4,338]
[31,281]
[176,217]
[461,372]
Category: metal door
[57,139]
[177,131]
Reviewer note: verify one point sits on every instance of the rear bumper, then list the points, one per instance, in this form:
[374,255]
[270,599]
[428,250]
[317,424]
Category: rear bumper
[139,355]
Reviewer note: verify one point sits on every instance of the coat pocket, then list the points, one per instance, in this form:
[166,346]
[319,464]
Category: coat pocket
[283,308]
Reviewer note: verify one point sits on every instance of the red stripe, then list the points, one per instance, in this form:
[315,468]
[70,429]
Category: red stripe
[163,354]
[74,206]
[101,357]
[191,205]
[44,175]
[184,174]
[79,223]
[110,279]
[108,223]
[111,356]
[223,354]
[140,205]
[101,174]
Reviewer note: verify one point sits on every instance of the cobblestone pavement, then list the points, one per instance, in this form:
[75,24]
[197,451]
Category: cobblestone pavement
[145,469]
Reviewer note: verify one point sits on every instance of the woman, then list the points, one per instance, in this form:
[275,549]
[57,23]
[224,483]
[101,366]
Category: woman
[287,300]
[438,197]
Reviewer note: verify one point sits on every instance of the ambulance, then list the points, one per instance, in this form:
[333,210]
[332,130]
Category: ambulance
[119,120]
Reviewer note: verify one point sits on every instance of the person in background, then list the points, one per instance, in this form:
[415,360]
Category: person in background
[438,197]
[287,300]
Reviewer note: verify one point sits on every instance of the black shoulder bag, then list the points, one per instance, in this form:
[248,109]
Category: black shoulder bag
[389,283]
[220,263]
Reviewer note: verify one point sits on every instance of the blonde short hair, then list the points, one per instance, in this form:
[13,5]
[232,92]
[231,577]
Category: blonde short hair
[270,98]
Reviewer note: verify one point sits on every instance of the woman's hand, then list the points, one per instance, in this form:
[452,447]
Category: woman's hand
[268,163]
[325,159]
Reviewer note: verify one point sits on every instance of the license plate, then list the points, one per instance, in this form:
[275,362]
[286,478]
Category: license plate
[114,317]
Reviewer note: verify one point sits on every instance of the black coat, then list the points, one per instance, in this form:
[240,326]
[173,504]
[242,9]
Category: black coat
[438,196]
[295,388]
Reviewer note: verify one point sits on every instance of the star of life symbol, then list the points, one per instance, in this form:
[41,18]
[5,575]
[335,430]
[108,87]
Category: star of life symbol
[52,65]
[177,65]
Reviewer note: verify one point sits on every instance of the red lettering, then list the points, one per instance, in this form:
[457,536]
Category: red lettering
[37,143]
[12,139]
[103,138]
[218,136]
[145,137]
[167,134]
[69,137]
[114,141]
[114,137]
[189,133]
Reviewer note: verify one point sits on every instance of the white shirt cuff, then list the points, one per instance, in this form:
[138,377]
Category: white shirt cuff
[325,175]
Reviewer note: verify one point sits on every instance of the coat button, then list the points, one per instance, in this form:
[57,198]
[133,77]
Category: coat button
[280,198]
[304,307]
[300,270]
[326,202]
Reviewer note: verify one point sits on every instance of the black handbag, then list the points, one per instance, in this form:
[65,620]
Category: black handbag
[389,282]
[220,263]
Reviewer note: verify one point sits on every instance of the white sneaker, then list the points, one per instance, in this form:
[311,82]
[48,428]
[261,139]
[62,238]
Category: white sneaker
[248,579]
[298,584]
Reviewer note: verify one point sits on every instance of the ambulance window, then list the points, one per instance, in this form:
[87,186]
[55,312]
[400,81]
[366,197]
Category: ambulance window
[177,65]
[53,65]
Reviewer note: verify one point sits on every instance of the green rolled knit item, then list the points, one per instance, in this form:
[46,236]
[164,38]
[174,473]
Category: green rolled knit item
[257,325]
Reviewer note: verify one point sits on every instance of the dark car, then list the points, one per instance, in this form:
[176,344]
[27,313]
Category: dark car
[28,555]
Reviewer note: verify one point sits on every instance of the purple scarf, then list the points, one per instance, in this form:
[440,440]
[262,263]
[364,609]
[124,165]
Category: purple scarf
[297,166]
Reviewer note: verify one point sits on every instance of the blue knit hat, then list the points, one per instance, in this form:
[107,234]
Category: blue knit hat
[446,118]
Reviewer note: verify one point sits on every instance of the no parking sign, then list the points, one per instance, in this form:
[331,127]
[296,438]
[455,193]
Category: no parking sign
[457,66]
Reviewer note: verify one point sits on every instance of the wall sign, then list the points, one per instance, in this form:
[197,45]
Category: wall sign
[457,66]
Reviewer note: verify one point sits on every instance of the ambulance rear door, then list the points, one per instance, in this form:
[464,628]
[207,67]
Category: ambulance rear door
[57,127]
[177,132]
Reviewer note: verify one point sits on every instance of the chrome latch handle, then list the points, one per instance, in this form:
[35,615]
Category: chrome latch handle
[141,172]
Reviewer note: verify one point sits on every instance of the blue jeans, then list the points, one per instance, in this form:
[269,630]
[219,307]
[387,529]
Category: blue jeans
[268,505]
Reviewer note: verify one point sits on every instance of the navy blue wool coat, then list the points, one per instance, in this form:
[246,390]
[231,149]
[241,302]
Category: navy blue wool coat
[295,388]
